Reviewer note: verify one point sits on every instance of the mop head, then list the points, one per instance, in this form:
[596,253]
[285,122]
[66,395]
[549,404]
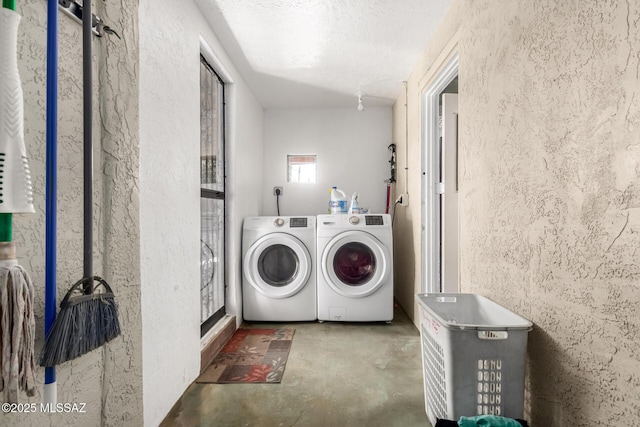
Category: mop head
[17,332]
[86,321]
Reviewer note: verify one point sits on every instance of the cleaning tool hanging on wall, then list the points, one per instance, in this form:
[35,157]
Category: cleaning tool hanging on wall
[392,178]
[50,390]
[17,321]
[16,193]
[17,327]
[88,316]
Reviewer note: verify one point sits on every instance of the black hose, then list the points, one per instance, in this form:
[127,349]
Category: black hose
[393,215]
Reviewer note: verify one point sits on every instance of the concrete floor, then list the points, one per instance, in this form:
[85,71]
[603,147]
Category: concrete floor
[338,374]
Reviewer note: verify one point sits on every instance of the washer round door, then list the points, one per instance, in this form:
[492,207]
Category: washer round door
[277,265]
[355,264]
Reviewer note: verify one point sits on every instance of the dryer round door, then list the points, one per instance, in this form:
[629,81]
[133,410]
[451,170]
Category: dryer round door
[355,264]
[277,265]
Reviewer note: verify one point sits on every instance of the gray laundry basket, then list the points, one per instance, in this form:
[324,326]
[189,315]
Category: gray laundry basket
[473,356]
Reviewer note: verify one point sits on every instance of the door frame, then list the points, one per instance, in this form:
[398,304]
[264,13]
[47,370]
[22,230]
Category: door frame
[430,134]
[221,72]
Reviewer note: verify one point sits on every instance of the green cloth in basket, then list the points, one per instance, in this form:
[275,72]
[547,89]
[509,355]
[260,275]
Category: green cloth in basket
[488,421]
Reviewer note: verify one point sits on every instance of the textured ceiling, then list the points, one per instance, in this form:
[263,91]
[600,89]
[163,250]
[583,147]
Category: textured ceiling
[323,53]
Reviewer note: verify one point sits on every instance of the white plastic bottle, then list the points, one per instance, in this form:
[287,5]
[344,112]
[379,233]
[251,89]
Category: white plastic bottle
[337,201]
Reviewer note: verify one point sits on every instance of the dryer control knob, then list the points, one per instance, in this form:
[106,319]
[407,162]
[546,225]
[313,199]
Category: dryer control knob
[354,220]
[279,222]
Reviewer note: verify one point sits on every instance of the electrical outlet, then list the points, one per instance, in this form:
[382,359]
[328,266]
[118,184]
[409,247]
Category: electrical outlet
[403,199]
[276,190]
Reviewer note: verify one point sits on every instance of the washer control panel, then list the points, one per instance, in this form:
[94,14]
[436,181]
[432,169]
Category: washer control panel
[373,220]
[298,222]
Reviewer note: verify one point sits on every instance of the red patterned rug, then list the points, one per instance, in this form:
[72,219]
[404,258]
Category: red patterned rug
[251,356]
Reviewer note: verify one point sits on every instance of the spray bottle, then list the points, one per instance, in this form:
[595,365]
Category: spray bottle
[354,208]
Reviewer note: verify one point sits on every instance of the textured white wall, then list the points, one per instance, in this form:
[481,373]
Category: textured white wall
[351,148]
[550,191]
[244,175]
[170,193]
[109,379]
[169,203]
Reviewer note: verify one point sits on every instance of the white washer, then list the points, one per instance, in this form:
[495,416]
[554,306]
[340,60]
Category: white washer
[278,268]
[355,268]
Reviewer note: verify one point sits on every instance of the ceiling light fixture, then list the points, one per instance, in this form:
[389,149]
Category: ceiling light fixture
[360,105]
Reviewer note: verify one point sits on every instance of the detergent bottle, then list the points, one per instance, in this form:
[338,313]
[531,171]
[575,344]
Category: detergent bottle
[354,208]
[337,201]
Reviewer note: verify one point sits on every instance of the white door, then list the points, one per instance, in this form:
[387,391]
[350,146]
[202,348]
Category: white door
[433,175]
[449,227]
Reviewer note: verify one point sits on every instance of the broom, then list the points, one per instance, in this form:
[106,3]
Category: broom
[17,321]
[88,316]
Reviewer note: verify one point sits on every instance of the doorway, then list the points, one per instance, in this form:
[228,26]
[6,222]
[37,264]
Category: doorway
[440,245]
[212,197]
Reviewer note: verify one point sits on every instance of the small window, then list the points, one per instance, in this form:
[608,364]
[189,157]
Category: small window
[301,167]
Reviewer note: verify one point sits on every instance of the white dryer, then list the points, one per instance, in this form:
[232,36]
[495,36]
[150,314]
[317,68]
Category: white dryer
[355,268]
[278,268]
